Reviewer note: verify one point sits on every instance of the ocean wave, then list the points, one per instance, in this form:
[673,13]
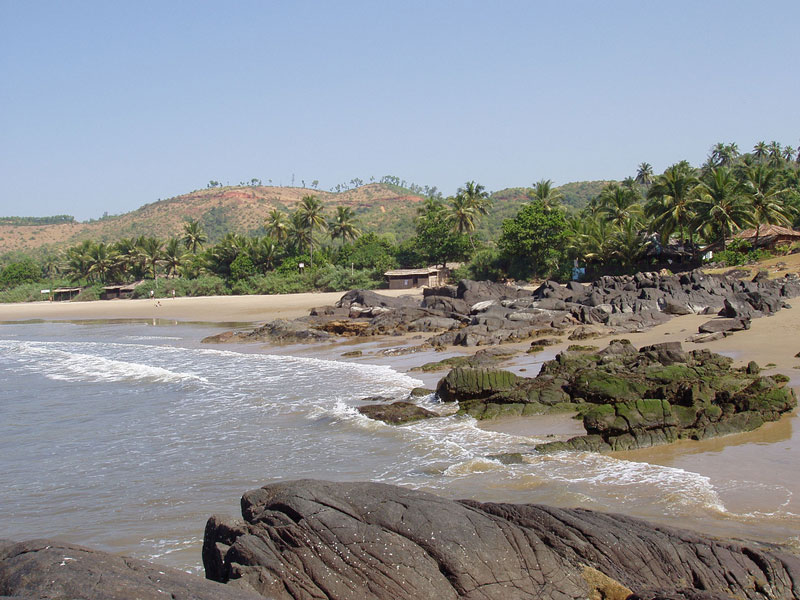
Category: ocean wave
[64,365]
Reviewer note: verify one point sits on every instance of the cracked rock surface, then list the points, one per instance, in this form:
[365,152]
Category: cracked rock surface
[321,540]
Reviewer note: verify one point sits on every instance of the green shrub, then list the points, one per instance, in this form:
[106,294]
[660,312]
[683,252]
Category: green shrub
[89,293]
[17,273]
[28,292]
[486,264]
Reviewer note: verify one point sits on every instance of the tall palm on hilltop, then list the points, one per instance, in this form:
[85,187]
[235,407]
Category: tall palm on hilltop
[278,225]
[462,213]
[342,225]
[775,154]
[194,236]
[644,173]
[476,197]
[760,150]
[669,201]
[719,205]
[310,211]
[544,191]
[724,154]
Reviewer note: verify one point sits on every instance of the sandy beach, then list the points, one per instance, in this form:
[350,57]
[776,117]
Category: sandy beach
[209,309]
[771,341]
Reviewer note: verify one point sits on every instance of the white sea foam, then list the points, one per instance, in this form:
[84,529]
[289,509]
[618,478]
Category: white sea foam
[677,489]
[63,365]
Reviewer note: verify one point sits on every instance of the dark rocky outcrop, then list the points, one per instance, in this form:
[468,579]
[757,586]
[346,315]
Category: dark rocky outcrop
[59,571]
[308,540]
[629,398]
[279,330]
[396,413]
[482,358]
[480,313]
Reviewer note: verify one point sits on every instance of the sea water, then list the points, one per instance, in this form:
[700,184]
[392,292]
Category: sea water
[127,436]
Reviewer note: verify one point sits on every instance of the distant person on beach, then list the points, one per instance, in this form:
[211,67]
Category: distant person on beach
[152,293]
[173,294]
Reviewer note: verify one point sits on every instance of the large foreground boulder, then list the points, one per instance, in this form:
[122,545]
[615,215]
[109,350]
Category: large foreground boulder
[308,540]
[59,571]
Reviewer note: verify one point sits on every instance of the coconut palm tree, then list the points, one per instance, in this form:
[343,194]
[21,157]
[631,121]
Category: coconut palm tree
[194,236]
[462,213]
[173,256]
[719,205]
[544,191]
[630,243]
[151,254]
[77,261]
[619,204]
[669,201]
[644,174]
[342,225]
[775,153]
[299,234]
[100,261]
[600,241]
[263,253]
[310,215]
[724,154]
[277,225]
[476,197]
[764,195]
[760,150]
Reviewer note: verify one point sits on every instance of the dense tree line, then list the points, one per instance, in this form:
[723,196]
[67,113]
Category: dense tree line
[629,225]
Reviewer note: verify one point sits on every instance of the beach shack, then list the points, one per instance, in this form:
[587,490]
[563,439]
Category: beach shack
[65,293]
[400,279]
[769,236]
[111,292]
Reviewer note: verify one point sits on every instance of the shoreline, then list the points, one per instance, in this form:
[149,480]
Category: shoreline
[208,309]
[726,462]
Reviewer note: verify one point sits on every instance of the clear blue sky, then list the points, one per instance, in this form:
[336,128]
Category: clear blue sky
[106,106]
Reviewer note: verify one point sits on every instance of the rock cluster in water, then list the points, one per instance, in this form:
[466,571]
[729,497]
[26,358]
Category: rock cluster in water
[475,313]
[349,541]
[629,398]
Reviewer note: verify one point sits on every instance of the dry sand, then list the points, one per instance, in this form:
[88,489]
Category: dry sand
[212,309]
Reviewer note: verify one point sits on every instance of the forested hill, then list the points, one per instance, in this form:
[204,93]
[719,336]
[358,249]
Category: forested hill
[238,209]
[380,207]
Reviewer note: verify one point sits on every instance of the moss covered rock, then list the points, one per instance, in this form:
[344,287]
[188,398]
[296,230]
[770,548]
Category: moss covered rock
[629,398]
